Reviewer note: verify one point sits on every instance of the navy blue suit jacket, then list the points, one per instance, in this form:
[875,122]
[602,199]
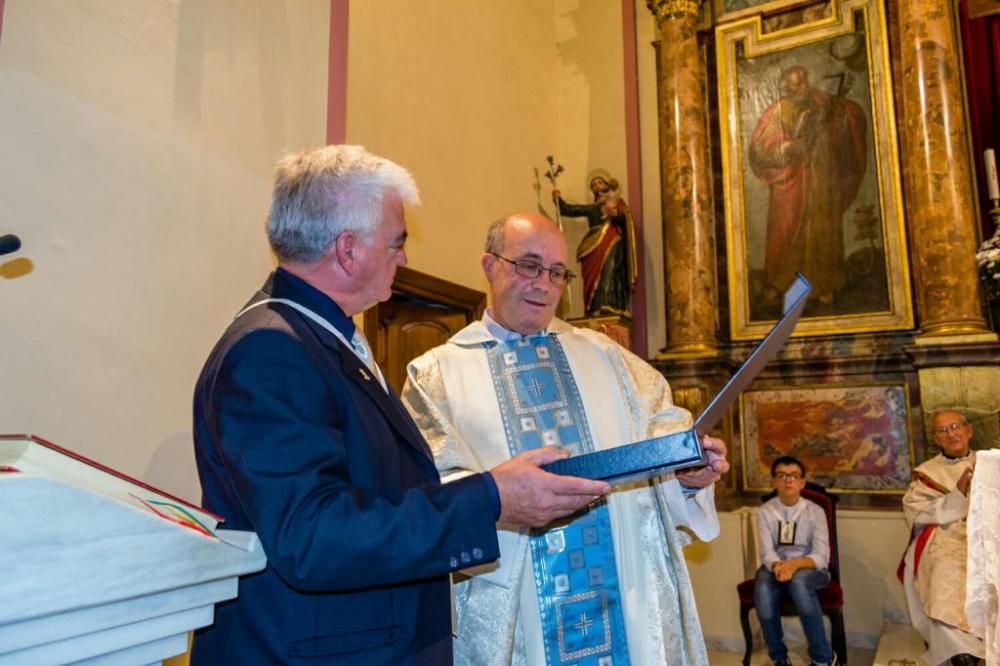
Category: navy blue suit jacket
[297,441]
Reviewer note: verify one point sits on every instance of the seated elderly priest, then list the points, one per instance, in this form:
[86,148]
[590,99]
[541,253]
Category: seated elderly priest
[936,506]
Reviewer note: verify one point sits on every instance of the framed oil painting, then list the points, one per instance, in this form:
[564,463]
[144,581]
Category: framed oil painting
[811,173]
[851,438]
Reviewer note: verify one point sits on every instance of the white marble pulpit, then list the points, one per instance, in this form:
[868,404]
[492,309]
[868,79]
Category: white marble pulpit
[96,568]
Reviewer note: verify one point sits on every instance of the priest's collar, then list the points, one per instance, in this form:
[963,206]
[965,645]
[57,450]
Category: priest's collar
[955,459]
[503,334]
[284,284]
[488,330]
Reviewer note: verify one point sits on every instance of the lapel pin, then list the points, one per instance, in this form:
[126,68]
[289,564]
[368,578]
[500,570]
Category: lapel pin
[365,374]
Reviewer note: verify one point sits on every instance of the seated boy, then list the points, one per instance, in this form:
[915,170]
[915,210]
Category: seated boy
[794,551]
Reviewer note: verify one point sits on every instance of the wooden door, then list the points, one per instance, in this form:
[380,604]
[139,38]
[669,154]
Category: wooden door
[424,312]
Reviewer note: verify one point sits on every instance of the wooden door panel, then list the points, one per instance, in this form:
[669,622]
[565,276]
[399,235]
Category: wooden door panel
[410,330]
[424,312]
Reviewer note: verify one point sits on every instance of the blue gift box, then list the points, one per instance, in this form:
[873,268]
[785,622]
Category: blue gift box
[634,462]
[653,457]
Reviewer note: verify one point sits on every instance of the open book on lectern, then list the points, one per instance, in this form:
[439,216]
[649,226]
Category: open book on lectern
[682,450]
[30,455]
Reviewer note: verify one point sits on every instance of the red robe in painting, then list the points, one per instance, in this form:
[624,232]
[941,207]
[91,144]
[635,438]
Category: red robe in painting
[812,155]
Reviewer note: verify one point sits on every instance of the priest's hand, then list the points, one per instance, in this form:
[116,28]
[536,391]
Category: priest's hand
[531,496]
[701,477]
[965,482]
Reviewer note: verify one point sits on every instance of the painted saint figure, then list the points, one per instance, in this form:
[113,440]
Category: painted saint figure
[809,147]
[607,253]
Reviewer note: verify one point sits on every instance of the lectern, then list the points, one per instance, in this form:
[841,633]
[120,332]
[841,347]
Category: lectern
[98,568]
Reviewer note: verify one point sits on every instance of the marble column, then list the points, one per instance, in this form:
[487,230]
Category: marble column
[689,236]
[937,168]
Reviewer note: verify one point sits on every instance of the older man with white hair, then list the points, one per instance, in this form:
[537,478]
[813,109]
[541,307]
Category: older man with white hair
[936,506]
[298,438]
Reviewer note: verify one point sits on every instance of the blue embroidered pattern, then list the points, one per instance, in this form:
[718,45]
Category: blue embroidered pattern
[576,578]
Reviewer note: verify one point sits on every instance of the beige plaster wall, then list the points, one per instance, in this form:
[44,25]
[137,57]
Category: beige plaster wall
[649,146]
[591,107]
[138,140]
[464,95]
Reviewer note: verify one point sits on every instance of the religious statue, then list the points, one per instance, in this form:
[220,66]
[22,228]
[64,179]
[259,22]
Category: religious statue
[607,253]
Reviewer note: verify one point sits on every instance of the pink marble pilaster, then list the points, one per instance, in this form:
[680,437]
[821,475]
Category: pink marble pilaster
[689,236]
[937,168]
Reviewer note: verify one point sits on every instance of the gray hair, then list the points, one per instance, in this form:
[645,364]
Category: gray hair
[321,193]
[494,236]
[949,410]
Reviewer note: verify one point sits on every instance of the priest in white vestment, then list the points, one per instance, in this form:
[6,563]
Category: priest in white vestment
[936,506]
[472,398]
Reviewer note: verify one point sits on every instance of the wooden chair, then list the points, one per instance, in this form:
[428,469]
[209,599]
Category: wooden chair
[831,597]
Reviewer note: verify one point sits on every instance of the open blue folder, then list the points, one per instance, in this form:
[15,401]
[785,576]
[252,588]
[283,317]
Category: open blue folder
[652,457]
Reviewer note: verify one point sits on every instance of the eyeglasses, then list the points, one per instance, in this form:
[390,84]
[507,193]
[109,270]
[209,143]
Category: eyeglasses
[788,476]
[951,427]
[530,268]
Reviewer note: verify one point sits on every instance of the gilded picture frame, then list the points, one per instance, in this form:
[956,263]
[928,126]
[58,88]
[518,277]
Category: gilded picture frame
[851,438]
[730,10]
[811,173]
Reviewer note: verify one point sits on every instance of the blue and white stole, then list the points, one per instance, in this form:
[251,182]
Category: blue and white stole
[576,578]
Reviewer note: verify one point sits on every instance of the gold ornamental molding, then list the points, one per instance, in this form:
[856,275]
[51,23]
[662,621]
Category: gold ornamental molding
[689,351]
[664,9]
[748,59]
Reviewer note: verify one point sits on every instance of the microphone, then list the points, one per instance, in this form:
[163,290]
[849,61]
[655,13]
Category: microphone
[9,243]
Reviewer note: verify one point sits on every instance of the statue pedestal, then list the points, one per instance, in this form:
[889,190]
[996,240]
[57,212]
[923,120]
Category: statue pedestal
[616,327]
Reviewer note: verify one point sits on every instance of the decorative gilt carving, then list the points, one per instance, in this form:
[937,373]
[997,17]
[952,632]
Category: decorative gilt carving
[691,398]
[616,327]
[664,9]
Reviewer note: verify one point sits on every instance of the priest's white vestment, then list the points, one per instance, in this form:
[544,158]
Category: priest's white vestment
[450,393]
[935,587]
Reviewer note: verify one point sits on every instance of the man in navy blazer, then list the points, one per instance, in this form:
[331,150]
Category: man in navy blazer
[298,439]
